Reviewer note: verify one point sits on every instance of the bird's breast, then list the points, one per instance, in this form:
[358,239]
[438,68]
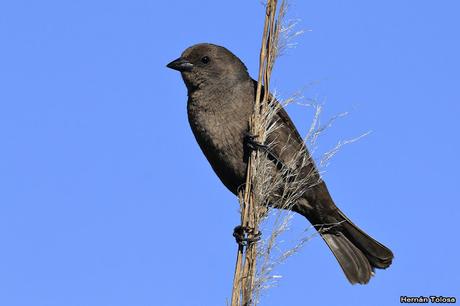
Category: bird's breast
[219,131]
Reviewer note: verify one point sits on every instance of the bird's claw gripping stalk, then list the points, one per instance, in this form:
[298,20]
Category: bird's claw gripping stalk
[253,144]
[245,236]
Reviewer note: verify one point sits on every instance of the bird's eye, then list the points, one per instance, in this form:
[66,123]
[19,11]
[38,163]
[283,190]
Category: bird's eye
[205,60]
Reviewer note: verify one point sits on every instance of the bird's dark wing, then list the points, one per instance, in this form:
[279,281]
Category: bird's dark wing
[357,253]
[285,141]
[287,126]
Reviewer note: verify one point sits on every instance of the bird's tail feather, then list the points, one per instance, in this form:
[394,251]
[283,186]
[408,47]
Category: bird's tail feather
[378,255]
[357,253]
[353,262]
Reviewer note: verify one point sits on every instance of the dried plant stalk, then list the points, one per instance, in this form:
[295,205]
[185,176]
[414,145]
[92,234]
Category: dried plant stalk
[245,270]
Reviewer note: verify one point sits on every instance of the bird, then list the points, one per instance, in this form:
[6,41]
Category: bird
[221,97]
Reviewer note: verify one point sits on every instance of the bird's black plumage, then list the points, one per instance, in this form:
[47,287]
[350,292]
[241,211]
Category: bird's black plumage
[221,97]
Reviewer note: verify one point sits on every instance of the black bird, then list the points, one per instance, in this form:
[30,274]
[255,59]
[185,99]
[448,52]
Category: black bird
[221,96]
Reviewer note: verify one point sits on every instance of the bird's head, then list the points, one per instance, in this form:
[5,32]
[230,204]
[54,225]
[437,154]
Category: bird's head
[207,65]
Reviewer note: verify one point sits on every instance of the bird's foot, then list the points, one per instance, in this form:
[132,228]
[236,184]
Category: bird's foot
[252,143]
[245,236]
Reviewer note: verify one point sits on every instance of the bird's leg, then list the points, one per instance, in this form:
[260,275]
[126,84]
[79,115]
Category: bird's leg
[253,144]
[241,234]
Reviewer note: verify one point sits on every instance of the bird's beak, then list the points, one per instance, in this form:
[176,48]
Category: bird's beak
[180,64]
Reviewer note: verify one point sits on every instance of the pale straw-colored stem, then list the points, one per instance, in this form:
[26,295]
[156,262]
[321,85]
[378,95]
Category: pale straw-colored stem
[245,269]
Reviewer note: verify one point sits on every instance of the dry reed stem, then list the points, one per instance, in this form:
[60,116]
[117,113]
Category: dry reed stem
[243,282]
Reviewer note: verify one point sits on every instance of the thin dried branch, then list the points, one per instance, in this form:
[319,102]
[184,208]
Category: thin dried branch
[245,269]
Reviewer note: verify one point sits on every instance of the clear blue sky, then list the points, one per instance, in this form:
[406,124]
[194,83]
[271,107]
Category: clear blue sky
[106,199]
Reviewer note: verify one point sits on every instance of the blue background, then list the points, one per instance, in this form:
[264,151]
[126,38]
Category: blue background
[106,199]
